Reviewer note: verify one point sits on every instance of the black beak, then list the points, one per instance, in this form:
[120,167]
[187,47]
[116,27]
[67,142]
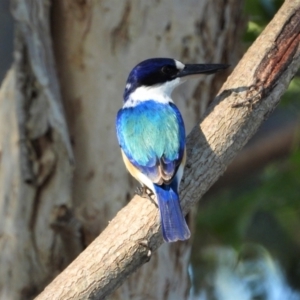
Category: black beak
[192,69]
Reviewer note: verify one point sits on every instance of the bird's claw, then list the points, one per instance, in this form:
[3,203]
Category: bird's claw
[145,192]
[140,191]
[145,244]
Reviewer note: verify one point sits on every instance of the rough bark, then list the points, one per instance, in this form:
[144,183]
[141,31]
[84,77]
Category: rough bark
[250,94]
[35,168]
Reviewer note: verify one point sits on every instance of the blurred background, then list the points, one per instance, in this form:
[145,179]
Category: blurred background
[249,220]
[247,241]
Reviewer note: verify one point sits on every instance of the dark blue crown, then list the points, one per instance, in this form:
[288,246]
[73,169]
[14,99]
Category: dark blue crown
[150,72]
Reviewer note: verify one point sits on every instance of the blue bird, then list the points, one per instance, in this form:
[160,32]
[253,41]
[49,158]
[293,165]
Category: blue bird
[151,134]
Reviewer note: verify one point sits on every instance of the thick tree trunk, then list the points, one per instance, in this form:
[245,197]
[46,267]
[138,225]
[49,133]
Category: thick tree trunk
[96,45]
[47,215]
[35,168]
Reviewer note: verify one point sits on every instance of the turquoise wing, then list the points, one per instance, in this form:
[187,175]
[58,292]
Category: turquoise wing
[152,136]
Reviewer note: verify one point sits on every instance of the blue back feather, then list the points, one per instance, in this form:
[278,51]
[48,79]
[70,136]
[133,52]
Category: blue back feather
[151,133]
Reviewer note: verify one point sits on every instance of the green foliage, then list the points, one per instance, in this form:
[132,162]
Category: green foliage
[259,13]
[276,191]
[292,95]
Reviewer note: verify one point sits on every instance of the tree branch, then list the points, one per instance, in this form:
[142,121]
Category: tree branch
[251,92]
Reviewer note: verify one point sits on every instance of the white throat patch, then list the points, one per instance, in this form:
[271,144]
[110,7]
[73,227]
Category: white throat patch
[160,93]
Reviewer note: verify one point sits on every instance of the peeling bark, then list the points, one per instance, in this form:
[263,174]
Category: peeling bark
[35,166]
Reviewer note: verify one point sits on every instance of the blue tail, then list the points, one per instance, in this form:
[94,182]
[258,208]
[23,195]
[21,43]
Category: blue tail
[173,223]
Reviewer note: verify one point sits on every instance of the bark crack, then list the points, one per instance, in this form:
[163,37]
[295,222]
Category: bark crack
[280,55]
[120,35]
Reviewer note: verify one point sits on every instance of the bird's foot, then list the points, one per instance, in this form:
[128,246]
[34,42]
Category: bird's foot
[145,192]
[140,190]
[144,243]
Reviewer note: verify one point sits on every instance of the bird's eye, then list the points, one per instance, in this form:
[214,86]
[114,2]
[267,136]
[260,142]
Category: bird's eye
[168,70]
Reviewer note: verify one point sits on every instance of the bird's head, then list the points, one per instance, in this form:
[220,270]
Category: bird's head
[159,76]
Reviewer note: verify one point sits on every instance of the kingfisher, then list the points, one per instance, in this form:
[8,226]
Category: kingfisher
[151,135]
